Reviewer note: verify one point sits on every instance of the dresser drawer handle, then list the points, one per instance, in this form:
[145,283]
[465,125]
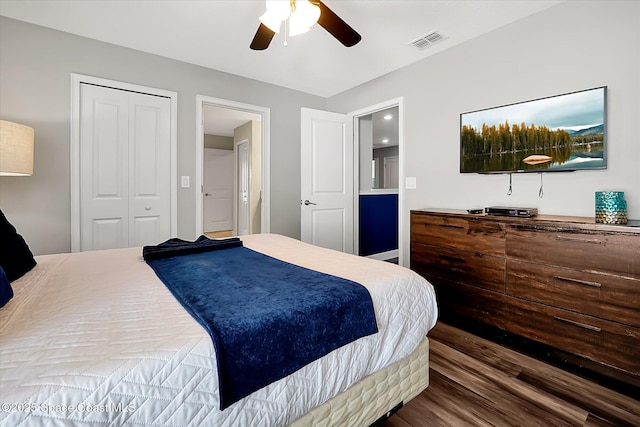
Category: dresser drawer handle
[578,324]
[452,226]
[451,258]
[579,282]
[579,240]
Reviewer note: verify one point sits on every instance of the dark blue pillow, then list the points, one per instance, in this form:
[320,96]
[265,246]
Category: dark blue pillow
[15,257]
[6,293]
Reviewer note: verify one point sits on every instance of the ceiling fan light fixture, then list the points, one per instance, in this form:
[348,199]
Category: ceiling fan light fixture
[295,29]
[280,9]
[303,16]
[277,11]
[271,21]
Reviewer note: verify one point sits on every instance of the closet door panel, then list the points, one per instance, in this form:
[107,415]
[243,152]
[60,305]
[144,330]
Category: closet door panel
[149,183]
[104,191]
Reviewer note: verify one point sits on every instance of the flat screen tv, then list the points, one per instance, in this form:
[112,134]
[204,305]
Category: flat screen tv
[559,133]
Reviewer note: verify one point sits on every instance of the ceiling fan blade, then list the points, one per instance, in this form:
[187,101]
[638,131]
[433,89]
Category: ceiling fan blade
[336,26]
[262,39]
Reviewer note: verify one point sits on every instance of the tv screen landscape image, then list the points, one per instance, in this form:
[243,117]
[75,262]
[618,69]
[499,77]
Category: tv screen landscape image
[559,133]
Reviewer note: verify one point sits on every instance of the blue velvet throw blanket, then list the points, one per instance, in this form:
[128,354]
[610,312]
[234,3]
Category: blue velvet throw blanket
[267,318]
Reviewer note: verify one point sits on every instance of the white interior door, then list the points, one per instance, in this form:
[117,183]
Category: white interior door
[218,190]
[326,187]
[104,165]
[149,169]
[125,163]
[243,169]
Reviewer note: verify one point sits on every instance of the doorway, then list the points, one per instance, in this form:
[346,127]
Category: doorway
[378,217]
[224,125]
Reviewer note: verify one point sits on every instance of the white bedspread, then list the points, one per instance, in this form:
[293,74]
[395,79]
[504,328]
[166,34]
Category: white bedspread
[95,338]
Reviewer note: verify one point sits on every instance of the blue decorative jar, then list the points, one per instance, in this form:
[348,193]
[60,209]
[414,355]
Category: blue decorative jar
[611,207]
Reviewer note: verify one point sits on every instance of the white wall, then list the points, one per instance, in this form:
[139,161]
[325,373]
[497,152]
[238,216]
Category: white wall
[575,45]
[35,68]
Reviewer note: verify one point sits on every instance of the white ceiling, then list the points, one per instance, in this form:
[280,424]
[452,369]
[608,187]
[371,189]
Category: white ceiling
[217,33]
[222,121]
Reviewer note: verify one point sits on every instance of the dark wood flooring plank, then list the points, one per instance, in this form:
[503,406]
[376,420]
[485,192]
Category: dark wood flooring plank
[474,382]
[394,421]
[439,405]
[490,353]
[586,394]
[521,403]
[598,401]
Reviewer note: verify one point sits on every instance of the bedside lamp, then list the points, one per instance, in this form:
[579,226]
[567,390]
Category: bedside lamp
[16,149]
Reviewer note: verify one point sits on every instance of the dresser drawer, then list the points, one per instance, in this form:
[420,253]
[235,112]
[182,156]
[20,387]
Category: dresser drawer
[611,344]
[607,296]
[459,233]
[575,248]
[602,341]
[458,302]
[471,268]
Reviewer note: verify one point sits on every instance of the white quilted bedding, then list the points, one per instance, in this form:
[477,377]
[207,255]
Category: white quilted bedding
[96,339]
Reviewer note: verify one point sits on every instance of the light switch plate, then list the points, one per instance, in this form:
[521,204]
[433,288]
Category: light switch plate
[410,183]
[184,181]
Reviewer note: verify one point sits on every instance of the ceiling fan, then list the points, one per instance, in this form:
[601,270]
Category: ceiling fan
[299,16]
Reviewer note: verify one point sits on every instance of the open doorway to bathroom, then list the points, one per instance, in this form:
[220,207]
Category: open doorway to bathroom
[379,175]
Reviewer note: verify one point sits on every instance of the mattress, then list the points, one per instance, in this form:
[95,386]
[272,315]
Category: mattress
[96,338]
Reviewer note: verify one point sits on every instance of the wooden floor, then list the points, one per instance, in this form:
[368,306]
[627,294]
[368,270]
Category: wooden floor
[474,382]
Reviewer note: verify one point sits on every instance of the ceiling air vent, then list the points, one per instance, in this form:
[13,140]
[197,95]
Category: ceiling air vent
[427,40]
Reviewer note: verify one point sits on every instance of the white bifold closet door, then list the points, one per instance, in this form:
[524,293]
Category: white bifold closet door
[125,168]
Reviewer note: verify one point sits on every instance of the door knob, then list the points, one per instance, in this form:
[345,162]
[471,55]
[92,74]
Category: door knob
[147,208]
[207,194]
[307,203]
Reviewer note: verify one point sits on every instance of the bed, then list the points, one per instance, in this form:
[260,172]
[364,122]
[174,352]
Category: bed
[95,338]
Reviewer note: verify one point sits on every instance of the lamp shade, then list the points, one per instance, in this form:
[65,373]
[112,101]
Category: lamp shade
[16,149]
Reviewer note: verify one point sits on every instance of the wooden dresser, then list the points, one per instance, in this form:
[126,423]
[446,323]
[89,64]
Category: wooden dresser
[565,282]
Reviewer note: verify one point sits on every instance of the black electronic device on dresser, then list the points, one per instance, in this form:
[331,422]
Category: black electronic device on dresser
[511,211]
[564,284]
